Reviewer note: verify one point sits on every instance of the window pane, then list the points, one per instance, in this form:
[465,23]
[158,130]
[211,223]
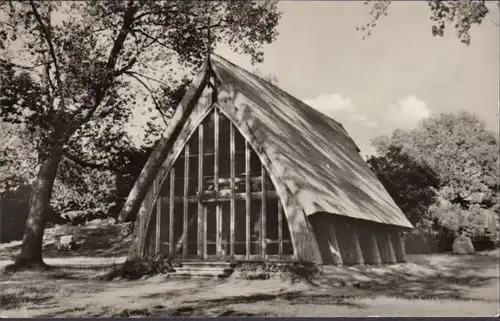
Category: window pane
[192,229]
[272,219]
[193,143]
[239,228]
[256,227]
[164,224]
[178,226]
[208,134]
[226,228]
[287,240]
[239,141]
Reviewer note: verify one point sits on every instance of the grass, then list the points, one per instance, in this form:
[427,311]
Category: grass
[440,285]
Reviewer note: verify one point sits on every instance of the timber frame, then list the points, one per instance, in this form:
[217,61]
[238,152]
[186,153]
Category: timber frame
[210,192]
[294,240]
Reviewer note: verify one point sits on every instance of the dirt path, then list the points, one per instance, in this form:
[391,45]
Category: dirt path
[437,285]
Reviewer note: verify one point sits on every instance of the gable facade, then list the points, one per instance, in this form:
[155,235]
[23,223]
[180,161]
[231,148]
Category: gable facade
[247,172]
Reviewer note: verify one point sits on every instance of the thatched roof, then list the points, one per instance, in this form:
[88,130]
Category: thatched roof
[312,154]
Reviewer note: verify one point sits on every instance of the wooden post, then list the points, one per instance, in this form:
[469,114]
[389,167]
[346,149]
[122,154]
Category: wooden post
[200,191]
[218,234]
[335,249]
[232,173]
[263,212]
[280,228]
[390,248]
[158,217]
[357,248]
[171,245]
[247,193]
[399,246]
[376,253]
[185,201]
[402,247]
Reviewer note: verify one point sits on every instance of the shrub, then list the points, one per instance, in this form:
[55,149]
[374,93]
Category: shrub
[148,266]
[294,271]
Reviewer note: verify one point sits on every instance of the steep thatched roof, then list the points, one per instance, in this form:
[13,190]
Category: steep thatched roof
[312,154]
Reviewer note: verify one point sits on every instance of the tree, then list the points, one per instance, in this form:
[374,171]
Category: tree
[82,61]
[464,153]
[410,183]
[462,14]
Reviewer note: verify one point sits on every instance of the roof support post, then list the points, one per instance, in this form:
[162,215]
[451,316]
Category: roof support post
[200,191]
[334,246]
[358,254]
[248,199]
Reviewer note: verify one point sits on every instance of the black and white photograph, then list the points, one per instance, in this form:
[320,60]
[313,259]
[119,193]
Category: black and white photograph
[239,158]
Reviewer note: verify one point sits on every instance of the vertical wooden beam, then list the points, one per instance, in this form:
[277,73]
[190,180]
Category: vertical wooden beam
[375,249]
[401,240]
[200,190]
[216,183]
[232,173]
[185,201]
[280,228]
[171,241]
[263,211]
[357,248]
[390,255]
[248,195]
[335,245]
[158,217]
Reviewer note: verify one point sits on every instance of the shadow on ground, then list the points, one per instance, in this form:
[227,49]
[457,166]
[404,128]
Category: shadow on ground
[449,277]
[91,240]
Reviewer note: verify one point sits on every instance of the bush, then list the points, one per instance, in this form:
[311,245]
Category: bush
[294,272]
[148,266]
[420,241]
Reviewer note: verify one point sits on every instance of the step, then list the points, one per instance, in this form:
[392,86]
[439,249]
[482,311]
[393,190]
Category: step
[198,275]
[188,269]
[206,264]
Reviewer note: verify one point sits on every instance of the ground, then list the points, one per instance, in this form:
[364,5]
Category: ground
[427,285]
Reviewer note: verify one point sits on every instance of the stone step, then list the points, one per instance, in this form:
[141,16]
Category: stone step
[188,269]
[198,274]
[202,269]
[206,264]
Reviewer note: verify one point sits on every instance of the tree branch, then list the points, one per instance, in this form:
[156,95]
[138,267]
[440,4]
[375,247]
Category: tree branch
[146,77]
[155,102]
[86,164]
[47,35]
[100,89]
[5,62]
[126,68]
[153,39]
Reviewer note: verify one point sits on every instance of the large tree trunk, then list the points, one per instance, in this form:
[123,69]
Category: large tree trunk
[31,251]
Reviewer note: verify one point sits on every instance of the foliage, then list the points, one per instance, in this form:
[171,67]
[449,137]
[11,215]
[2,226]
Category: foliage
[148,266]
[84,66]
[294,272]
[464,154]
[461,14]
[411,184]
[18,157]
[86,56]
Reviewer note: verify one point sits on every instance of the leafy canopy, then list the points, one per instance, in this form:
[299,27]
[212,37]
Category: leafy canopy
[410,183]
[465,155]
[73,72]
[461,14]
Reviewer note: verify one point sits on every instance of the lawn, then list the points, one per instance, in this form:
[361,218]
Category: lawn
[427,285]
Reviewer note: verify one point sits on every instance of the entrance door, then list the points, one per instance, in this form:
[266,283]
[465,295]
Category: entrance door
[217,241]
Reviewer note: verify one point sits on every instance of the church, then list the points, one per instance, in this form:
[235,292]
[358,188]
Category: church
[246,172]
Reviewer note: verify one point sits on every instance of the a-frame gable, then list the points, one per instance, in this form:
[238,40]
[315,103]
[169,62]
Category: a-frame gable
[250,222]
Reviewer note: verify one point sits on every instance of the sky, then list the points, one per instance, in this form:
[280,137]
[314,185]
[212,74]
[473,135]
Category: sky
[395,78]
